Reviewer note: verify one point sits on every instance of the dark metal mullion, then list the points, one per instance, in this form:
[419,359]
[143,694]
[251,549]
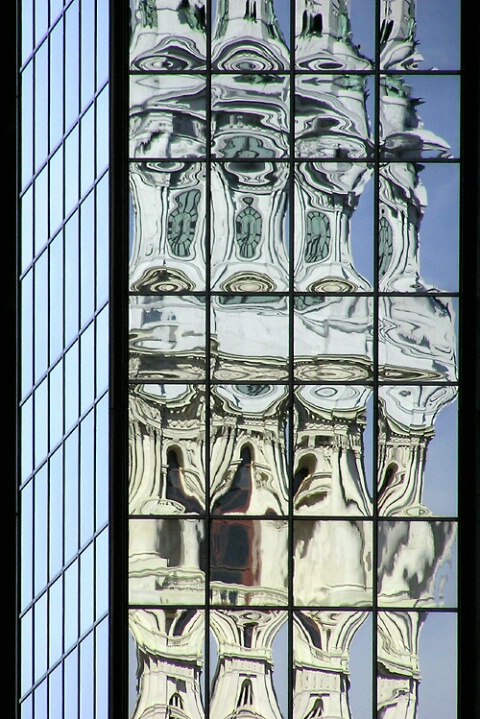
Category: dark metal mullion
[208,384]
[375,418]
[291,347]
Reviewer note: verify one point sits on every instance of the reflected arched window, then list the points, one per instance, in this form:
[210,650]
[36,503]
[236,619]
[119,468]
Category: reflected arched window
[317,245]
[237,498]
[385,245]
[245,698]
[176,701]
[175,485]
[317,709]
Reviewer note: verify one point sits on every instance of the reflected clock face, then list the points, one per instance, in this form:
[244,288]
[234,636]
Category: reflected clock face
[318,236]
[385,245]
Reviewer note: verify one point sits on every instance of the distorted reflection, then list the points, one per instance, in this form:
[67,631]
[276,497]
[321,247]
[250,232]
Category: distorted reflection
[333,563]
[168,116]
[169,645]
[333,338]
[248,470]
[167,337]
[167,561]
[416,563]
[249,232]
[326,195]
[256,343]
[168,252]
[329,471]
[321,649]
[407,416]
[242,685]
[249,338]
[248,562]
[167,449]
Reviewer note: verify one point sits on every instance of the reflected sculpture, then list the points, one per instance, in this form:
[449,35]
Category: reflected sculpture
[255,346]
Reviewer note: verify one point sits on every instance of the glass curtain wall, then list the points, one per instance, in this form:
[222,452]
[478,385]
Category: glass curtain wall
[293,310]
[63,293]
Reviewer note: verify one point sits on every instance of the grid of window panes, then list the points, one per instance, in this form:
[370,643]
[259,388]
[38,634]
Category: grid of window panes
[63,284]
[293,279]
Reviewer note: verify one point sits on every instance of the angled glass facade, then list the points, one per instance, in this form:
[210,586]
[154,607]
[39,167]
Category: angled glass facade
[243,394]
[63,388]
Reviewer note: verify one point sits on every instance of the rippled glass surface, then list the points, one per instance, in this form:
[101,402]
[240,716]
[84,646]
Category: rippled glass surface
[293,354]
[417,476]
[417,563]
[167,454]
[333,338]
[333,563]
[248,562]
[168,116]
[248,441]
[167,337]
[168,249]
[331,448]
[249,338]
[327,194]
[250,230]
[417,339]
[166,561]
[249,644]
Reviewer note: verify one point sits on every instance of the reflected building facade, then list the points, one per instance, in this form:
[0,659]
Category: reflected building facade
[268,373]
[292,361]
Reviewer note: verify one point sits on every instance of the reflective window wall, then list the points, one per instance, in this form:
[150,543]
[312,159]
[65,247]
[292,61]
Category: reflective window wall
[63,289]
[293,327]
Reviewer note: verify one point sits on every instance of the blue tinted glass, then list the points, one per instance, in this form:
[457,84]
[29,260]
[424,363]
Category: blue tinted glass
[26,508]
[26,208]
[27,438]
[41,105]
[56,296]
[87,593]
[72,168]
[26,28]
[26,634]
[40,700]
[101,574]
[40,420]
[87,151]
[102,244]
[71,495]
[72,282]
[87,485]
[41,19]
[102,355]
[87,258]
[56,84]
[87,367]
[41,529]
[27,122]
[87,665]
[55,610]
[26,320]
[56,405]
[55,693]
[40,308]
[103,29]
[101,670]
[55,515]
[102,130]
[56,190]
[72,85]
[40,633]
[87,50]
[71,386]
[41,210]
[101,463]
[26,708]
[71,681]
[70,626]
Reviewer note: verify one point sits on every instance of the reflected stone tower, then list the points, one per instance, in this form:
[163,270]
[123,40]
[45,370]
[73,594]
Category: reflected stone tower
[252,361]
